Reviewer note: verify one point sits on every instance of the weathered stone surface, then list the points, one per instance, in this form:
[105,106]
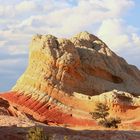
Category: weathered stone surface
[65,78]
[81,64]
[4,105]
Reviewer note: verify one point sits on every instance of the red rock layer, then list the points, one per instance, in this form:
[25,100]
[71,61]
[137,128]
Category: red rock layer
[4,105]
[47,113]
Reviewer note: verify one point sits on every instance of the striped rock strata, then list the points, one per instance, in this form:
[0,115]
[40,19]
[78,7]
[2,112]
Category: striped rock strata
[65,78]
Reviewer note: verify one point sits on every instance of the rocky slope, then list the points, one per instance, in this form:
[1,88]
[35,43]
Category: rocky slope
[65,78]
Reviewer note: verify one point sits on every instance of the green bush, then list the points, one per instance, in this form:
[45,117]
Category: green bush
[65,138]
[37,133]
[110,122]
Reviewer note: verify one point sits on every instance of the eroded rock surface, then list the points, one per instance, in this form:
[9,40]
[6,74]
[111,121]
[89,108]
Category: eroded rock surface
[66,77]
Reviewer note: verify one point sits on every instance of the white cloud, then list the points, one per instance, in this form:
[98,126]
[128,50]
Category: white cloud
[118,35]
[122,39]
[5,9]
[136,39]
[118,7]
[62,19]
[2,43]
[17,50]
[8,62]
[25,6]
[114,33]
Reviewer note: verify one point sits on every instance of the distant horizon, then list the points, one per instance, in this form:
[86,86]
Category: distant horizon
[115,24]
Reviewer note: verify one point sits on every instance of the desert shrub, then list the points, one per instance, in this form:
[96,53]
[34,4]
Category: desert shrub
[101,115]
[65,138]
[110,122]
[37,133]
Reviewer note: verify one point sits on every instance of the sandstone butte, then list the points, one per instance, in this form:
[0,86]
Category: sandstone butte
[65,78]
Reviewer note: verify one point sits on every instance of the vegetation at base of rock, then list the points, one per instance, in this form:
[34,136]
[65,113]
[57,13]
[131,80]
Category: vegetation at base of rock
[101,114]
[37,133]
[110,122]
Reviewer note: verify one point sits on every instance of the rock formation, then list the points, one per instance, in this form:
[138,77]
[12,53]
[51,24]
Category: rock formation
[65,78]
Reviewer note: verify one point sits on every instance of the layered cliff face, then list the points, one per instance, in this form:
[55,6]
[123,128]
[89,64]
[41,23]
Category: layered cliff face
[65,78]
[82,64]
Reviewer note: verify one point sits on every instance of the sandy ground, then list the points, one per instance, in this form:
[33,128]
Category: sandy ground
[12,128]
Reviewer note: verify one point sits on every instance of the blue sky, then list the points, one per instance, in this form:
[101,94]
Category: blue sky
[116,22]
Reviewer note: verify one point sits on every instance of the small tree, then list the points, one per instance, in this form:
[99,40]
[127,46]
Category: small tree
[101,115]
[101,112]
